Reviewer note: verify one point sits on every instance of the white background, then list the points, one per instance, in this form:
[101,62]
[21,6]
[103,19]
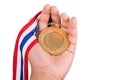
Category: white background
[98,48]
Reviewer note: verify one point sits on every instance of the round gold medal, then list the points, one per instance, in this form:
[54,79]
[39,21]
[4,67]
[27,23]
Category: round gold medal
[53,40]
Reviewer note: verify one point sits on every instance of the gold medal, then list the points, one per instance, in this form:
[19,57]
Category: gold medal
[53,40]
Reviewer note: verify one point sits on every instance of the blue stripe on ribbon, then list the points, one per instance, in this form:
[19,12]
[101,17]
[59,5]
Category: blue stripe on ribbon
[25,39]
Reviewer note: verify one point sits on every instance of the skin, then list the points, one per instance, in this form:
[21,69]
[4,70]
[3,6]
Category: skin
[45,66]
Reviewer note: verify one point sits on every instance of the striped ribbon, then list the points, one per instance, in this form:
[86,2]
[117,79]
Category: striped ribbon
[25,41]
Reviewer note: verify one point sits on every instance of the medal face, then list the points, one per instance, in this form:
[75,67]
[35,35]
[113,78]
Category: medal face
[53,40]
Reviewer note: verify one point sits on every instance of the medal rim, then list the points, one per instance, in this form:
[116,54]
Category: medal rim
[58,30]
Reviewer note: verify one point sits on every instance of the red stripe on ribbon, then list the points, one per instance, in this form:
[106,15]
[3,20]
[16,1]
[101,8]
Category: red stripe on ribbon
[26,59]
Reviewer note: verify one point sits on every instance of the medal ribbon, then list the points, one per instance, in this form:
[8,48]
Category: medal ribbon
[26,39]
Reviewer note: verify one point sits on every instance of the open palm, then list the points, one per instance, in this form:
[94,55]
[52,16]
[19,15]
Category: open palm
[40,60]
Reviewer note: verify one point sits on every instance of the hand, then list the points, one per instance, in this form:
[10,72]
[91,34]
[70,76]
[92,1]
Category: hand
[42,63]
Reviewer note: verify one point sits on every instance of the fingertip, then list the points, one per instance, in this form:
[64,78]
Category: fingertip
[73,22]
[43,21]
[54,9]
[64,17]
[74,19]
[47,5]
[46,8]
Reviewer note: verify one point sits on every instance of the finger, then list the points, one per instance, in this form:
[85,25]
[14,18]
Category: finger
[72,34]
[55,16]
[43,22]
[73,30]
[65,21]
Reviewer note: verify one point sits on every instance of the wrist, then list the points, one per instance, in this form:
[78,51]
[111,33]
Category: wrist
[44,76]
